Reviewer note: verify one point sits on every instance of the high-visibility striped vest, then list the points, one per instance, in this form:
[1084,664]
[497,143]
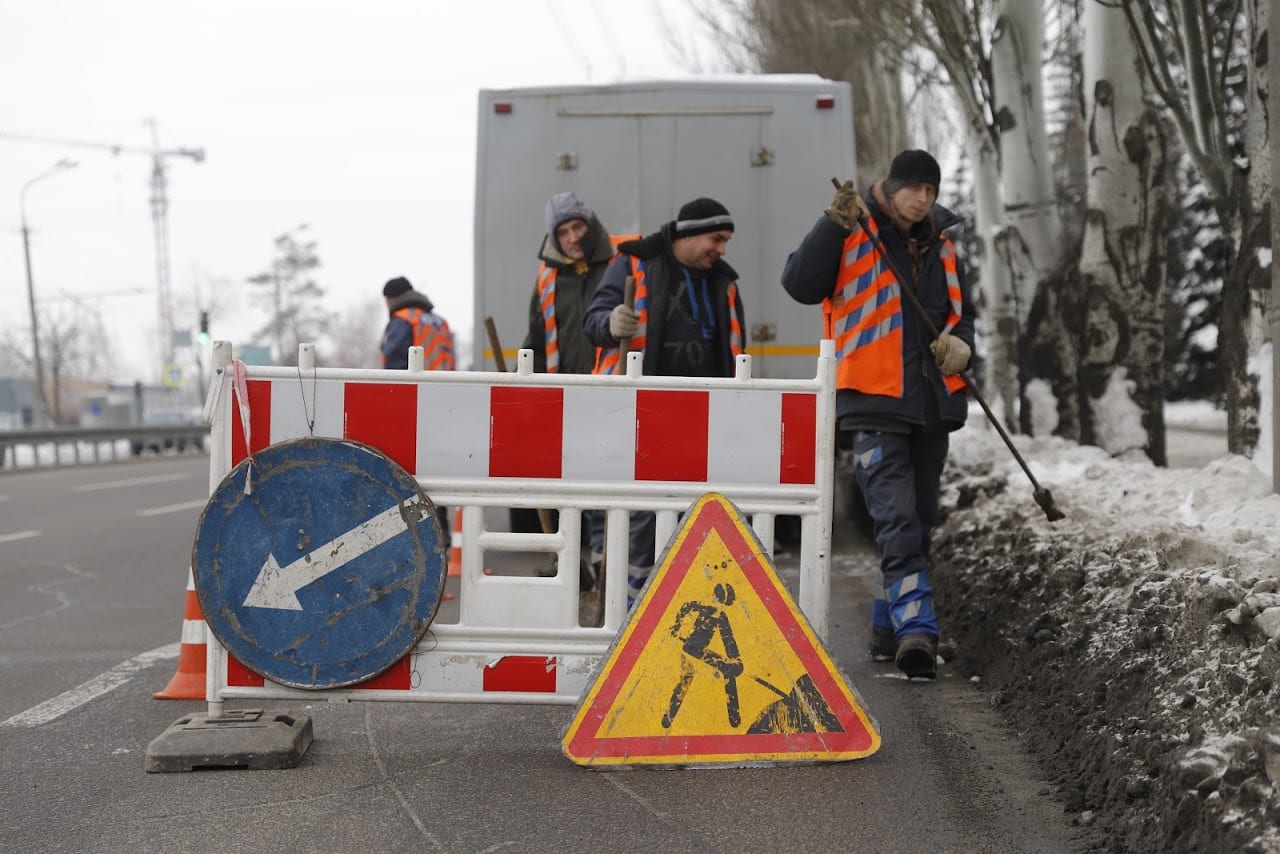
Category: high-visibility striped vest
[547,302]
[608,359]
[864,317]
[431,333]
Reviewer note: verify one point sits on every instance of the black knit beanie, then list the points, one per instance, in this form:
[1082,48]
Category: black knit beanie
[701,216]
[397,286]
[912,167]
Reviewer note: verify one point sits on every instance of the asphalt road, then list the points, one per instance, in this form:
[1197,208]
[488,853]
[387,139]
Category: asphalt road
[93,565]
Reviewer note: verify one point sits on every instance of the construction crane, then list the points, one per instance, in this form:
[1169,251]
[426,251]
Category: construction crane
[159,212]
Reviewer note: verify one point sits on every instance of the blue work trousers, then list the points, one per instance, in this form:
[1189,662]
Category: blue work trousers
[640,539]
[899,476]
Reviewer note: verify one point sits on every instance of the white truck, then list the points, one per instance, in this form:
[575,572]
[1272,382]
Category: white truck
[764,145]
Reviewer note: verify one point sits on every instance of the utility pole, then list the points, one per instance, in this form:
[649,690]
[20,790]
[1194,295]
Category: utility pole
[159,215]
[37,363]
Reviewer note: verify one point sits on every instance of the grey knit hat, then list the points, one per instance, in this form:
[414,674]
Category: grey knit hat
[563,207]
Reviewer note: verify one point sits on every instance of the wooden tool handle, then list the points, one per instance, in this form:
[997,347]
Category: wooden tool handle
[498,359]
[629,300]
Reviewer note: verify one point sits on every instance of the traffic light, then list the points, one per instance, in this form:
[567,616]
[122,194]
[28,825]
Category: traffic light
[203,335]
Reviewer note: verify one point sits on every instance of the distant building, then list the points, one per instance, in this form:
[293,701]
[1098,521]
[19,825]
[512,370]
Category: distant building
[18,404]
[123,405]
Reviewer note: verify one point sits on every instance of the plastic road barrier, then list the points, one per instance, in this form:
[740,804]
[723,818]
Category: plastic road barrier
[483,439]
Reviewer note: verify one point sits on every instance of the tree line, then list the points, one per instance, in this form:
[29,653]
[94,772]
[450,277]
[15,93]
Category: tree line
[1115,177]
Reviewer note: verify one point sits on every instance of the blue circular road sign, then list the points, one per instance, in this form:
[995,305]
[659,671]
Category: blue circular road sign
[328,571]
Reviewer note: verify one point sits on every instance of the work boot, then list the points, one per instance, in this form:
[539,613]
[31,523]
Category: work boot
[917,656]
[883,645]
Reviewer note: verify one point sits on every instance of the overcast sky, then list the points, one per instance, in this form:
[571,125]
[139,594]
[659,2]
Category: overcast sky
[358,119]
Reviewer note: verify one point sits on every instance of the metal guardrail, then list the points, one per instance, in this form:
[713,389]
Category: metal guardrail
[58,446]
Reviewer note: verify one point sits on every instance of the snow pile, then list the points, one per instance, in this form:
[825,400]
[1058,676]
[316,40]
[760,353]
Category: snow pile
[1136,642]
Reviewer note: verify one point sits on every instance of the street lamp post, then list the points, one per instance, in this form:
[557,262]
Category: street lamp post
[37,364]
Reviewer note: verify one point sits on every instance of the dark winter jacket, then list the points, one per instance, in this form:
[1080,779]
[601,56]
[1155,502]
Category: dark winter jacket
[664,278]
[397,338]
[573,292]
[810,277]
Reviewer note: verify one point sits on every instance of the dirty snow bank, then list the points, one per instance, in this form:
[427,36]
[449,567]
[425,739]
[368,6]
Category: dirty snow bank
[1135,644]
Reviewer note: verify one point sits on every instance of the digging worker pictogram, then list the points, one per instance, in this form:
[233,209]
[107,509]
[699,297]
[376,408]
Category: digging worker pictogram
[898,393]
[708,621]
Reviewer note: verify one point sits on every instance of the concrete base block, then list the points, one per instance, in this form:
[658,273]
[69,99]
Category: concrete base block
[240,738]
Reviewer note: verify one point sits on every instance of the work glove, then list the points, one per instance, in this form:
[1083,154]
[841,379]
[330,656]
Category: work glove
[623,322]
[847,207]
[950,354]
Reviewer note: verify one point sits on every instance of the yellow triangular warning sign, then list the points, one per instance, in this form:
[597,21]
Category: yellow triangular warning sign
[717,666]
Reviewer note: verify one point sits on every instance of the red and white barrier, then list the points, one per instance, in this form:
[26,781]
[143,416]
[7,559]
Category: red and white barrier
[467,430]
[480,439]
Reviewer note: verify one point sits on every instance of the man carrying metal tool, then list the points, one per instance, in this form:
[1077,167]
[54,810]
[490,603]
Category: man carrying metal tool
[899,390]
[687,319]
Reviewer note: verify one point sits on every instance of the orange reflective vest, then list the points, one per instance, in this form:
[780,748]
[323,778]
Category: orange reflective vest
[431,333]
[864,317]
[547,301]
[608,359]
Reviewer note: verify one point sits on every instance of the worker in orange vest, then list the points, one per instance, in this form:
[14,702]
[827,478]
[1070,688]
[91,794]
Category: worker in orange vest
[899,393]
[414,323]
[574,253]
[687,321]
[572,259]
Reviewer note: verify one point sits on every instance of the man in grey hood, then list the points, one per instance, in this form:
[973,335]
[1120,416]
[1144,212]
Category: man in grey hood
[573,256]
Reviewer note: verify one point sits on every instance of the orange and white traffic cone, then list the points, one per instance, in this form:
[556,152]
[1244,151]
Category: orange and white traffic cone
[188,682]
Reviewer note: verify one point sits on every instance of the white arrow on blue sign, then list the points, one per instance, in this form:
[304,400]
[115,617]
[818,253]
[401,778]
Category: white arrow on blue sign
[328,571]
[277,586]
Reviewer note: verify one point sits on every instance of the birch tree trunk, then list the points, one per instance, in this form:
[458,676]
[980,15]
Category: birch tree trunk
[1122,263]
[1030,244]
[1257,218]
[996,284]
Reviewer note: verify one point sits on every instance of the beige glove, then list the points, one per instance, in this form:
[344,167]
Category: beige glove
[623,322]
[950,354]
[847,207]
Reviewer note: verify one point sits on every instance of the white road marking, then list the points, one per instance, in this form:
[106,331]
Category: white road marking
[20,535]
[133,481]
[174,508]
[101,684]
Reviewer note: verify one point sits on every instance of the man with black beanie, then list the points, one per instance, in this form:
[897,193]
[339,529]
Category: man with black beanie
[687,320]
[899,393]
[414,323]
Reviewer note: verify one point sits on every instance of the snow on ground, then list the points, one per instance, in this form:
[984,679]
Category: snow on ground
[1135,643]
